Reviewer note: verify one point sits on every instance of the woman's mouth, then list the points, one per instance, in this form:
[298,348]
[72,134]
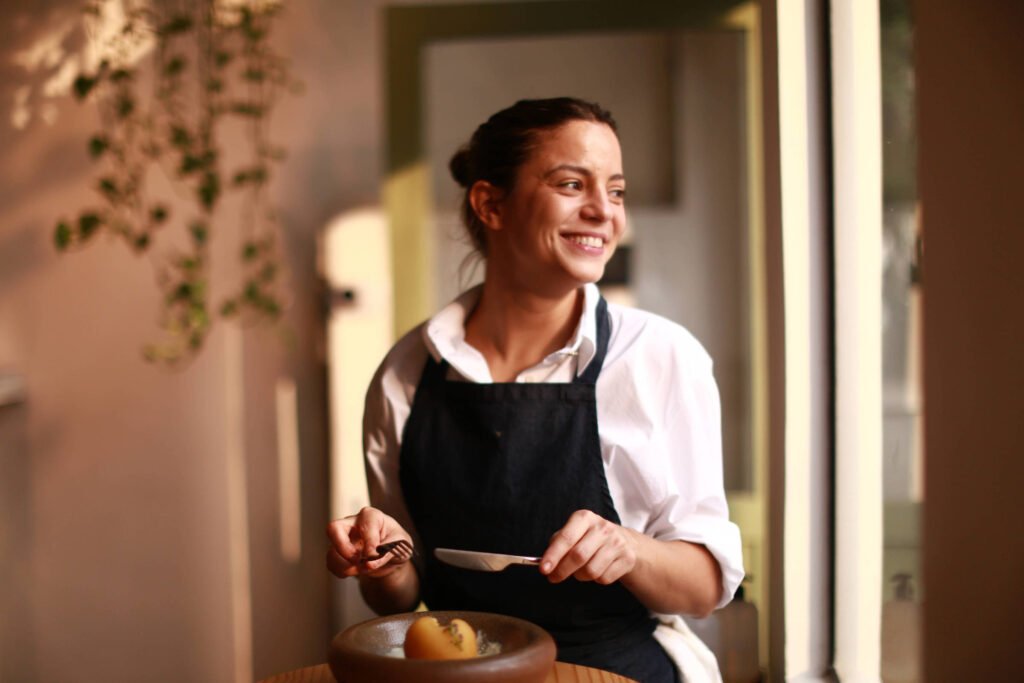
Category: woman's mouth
[587,242]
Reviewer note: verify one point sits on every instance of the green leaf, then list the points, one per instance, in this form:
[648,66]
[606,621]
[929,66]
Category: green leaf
[183,292]
[248,109]
[267,273]
[270,307]
[222,57]
[88,223]
[256,175]
[254,75]
[142,241]
[108,187]
[98,144]
[250,250]
[158,213]
[252,32]
[175,66]
[62,236]
[189,164]
[199,232]
[125,106]
[197,316]
[180,136]
[119,75]
[83,85]
[215,85]
[209,190]
[229,308]
[178,24]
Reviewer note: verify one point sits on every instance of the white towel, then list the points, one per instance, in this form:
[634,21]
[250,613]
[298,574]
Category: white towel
[695,661]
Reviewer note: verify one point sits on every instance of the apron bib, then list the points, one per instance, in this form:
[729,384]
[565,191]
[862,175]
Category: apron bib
[500,468]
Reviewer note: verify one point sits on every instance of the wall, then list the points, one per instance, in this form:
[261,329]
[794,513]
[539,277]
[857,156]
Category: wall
[970,103]
[115,535]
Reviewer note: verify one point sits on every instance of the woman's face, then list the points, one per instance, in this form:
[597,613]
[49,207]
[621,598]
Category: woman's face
[560,223]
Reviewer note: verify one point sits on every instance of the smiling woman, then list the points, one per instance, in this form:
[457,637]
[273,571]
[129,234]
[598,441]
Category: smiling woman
[561,219]
[555,424]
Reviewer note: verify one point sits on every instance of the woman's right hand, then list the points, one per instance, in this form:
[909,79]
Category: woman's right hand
[356,537]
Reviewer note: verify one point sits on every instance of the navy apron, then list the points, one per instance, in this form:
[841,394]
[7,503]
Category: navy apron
[500,468]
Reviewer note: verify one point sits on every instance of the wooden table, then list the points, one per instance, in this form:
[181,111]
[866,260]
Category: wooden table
[561,673]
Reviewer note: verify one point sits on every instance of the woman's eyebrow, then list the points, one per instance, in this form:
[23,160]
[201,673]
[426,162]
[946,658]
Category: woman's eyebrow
[580,170]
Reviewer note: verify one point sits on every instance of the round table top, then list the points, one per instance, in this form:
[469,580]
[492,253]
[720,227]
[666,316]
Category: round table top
[560,673]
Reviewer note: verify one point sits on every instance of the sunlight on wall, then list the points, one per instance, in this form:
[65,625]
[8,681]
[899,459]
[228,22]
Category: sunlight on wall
[355,261]
[356,264]
[289,480]
[74,44]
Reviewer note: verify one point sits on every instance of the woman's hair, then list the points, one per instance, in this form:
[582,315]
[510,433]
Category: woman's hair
[504,142]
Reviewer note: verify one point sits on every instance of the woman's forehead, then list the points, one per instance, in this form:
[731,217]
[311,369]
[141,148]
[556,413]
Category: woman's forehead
[578,143]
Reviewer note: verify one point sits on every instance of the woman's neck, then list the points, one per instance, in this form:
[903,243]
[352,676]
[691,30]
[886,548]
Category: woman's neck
[515,330]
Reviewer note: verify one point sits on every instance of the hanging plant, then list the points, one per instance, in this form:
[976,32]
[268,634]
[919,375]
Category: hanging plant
[207,65]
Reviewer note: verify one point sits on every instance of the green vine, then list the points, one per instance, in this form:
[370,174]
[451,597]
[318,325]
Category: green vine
[209,64]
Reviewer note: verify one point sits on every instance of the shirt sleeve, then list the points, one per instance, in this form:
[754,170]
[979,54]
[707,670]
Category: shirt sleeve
[694,508]
[661,432]
[387,407]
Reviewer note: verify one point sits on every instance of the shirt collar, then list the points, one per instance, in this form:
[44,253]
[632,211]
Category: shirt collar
[445,335]
[584,341]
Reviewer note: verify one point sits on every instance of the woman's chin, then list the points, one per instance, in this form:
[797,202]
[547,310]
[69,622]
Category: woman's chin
[585,276]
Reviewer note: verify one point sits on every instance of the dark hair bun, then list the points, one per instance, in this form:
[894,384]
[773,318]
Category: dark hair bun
[459,167]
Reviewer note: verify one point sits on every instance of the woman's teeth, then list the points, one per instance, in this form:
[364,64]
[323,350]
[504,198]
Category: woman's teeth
[587,241]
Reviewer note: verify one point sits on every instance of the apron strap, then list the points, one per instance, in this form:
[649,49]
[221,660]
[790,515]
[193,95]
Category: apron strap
[604,327]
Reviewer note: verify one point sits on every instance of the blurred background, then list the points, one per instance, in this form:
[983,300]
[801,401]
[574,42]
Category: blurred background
[786,162]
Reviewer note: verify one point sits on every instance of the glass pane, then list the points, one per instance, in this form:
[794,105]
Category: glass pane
[902,485]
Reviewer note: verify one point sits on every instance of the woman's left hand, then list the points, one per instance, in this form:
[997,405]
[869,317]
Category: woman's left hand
[589,548]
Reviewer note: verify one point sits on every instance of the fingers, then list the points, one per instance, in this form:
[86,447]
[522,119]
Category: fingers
[339,566]
[356,537]
[344,539]
[564,540]
[589,548]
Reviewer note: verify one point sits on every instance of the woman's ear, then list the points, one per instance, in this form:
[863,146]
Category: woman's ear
[485,199]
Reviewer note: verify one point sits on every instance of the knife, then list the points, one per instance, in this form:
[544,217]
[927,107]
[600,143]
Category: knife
[484,562]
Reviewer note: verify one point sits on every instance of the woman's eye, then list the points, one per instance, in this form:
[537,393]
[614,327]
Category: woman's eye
[572,185]
[618,192]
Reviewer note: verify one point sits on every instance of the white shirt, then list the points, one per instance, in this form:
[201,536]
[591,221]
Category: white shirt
[658,419]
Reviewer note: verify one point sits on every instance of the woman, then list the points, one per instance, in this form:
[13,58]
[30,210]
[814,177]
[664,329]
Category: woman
[530,417]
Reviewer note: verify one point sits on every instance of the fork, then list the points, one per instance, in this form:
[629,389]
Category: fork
[401,551]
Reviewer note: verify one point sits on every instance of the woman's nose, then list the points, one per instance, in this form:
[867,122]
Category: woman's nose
[598,206]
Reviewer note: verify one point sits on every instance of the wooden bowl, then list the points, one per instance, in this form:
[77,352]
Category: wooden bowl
[366,652]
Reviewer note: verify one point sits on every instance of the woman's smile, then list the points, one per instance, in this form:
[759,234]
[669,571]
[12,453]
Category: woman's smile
[564,216]
[591,245]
